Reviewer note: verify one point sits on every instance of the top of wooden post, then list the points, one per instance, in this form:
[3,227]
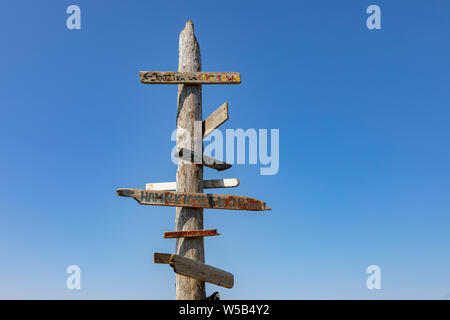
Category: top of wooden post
[189,54]
[189,25]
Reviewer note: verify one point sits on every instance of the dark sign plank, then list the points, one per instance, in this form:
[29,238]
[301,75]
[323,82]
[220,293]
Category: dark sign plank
[193,200]
[215,119]
[207,184]
[170,77]
[194,269]
[191,233]
[206,161]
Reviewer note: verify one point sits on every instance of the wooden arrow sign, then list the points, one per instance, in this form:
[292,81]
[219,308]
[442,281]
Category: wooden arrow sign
[193,200]
[206,161]
[197,270]
[207,184]
[215,119]
[170,77]
[191,233]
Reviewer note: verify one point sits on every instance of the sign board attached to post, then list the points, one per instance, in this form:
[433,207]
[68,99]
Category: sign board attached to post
[193,200]
[204,160]
[194,269]
[191,233]
[215,119]
[207,184]
[172,77]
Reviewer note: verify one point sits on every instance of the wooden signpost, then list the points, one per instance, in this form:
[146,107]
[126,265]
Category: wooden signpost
[193,200]
[191,234]
[196,270]
[186,194]
[207,184]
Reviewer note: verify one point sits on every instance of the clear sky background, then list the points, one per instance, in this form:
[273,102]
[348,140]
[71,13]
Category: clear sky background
[364,147]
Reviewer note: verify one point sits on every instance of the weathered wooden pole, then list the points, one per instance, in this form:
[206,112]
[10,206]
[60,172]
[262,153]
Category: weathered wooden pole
[189,175]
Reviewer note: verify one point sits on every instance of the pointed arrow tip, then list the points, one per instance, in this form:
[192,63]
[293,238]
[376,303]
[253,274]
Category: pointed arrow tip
[124,192]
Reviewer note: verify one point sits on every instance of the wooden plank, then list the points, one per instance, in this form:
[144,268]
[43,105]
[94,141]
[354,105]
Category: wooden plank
[194,269]
[193,200]
[163,258]
[171,77]
[206,161]
[207,184]
[161,186]
[215,119]
[221,183]
[191,233]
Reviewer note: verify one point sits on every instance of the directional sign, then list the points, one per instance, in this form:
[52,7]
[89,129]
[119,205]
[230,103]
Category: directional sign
[170,77]
[194,269]
[215,119]
[193,200]
[204,160]
[207,184]
[191,233]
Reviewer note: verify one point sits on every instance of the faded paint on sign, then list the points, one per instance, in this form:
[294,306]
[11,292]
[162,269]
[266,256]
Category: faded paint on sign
[191,233]
[171,77]
[194,200]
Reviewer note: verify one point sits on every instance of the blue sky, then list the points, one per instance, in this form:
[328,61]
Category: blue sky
[364,147]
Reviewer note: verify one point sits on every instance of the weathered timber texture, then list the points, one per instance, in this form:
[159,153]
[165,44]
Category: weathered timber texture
[170,77]
[189,175]
[221,183]
[197,270]
[207,184]
[193,200]
[204,160]
[163,186]
[191,234]
[215,119]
